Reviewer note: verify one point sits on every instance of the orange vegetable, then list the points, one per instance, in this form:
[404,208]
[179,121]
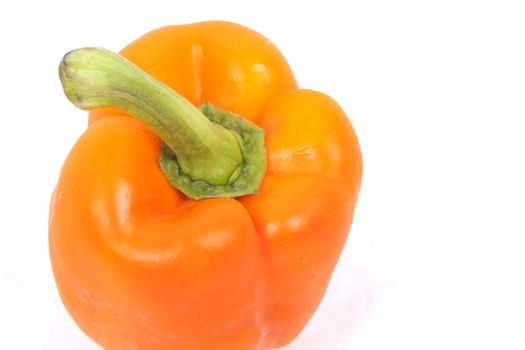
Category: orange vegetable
[139,264]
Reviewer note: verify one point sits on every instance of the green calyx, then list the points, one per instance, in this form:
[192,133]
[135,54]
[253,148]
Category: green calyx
[206,152]
[251,139]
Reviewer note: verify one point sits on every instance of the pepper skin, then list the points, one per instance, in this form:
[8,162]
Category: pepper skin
[140,266]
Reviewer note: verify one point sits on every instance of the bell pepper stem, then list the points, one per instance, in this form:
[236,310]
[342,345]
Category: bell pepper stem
[207,154]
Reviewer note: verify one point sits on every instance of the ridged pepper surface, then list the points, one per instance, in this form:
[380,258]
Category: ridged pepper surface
[141,265]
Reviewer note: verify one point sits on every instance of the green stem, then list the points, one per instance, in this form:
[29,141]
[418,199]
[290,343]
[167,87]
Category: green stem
[209,157]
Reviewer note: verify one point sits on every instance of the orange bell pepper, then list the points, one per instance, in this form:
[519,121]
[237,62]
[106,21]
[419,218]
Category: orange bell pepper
[196,253]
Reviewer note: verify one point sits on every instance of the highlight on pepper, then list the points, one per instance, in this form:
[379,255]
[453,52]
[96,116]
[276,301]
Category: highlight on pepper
[207,202]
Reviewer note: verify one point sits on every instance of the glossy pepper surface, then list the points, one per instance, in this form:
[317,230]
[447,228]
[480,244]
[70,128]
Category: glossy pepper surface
[140,265]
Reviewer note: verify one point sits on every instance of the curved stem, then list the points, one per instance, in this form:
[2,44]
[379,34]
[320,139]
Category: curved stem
[205,151]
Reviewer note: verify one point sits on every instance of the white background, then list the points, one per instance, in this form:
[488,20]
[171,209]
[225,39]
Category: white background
[436,92]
